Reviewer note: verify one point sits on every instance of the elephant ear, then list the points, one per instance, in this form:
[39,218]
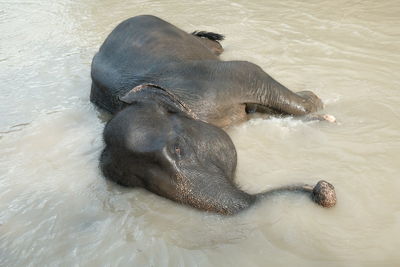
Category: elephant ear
[131,96]
[175,104]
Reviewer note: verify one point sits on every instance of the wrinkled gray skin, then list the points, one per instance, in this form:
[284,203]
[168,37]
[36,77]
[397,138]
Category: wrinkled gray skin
[170,95]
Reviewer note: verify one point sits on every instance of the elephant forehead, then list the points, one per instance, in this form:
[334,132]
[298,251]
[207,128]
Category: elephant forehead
[148,137]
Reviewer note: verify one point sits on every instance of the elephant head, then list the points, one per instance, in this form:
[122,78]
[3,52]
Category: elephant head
[152,144]
[155,144]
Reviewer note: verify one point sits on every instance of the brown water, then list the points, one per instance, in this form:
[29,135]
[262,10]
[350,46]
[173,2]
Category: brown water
[56,209]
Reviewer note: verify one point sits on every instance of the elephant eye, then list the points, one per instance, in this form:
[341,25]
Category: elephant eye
[177,150]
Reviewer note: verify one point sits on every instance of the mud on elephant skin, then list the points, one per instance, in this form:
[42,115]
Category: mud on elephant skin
[171,96]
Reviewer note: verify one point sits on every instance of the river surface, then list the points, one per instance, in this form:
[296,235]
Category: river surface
[56,209]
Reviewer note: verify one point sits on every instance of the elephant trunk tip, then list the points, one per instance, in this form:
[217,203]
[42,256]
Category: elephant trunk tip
[324,194]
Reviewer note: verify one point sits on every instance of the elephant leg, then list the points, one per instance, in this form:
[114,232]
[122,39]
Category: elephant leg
[268,112]
[277,99]
[258,108]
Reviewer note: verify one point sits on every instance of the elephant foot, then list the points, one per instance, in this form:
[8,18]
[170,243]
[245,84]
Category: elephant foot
[324,194]
[320,117]
[329,118]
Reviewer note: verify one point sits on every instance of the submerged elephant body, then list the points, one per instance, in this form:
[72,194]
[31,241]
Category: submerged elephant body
[171,96]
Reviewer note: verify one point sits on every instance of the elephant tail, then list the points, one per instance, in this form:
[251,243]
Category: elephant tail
[209,35]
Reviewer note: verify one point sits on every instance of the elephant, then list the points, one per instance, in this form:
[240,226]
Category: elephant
[171,99]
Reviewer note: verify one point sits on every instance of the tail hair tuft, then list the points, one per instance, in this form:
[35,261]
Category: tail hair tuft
[209,35]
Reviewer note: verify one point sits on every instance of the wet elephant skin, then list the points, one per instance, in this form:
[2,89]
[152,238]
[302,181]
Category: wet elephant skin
[171,97]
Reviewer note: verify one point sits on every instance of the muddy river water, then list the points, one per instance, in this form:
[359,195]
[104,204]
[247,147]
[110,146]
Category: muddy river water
[56,209]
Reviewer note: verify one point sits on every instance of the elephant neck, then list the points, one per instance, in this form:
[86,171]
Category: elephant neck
[163,96]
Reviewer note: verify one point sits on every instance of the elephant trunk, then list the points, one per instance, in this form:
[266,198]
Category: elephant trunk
[323,193]
[221,195]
